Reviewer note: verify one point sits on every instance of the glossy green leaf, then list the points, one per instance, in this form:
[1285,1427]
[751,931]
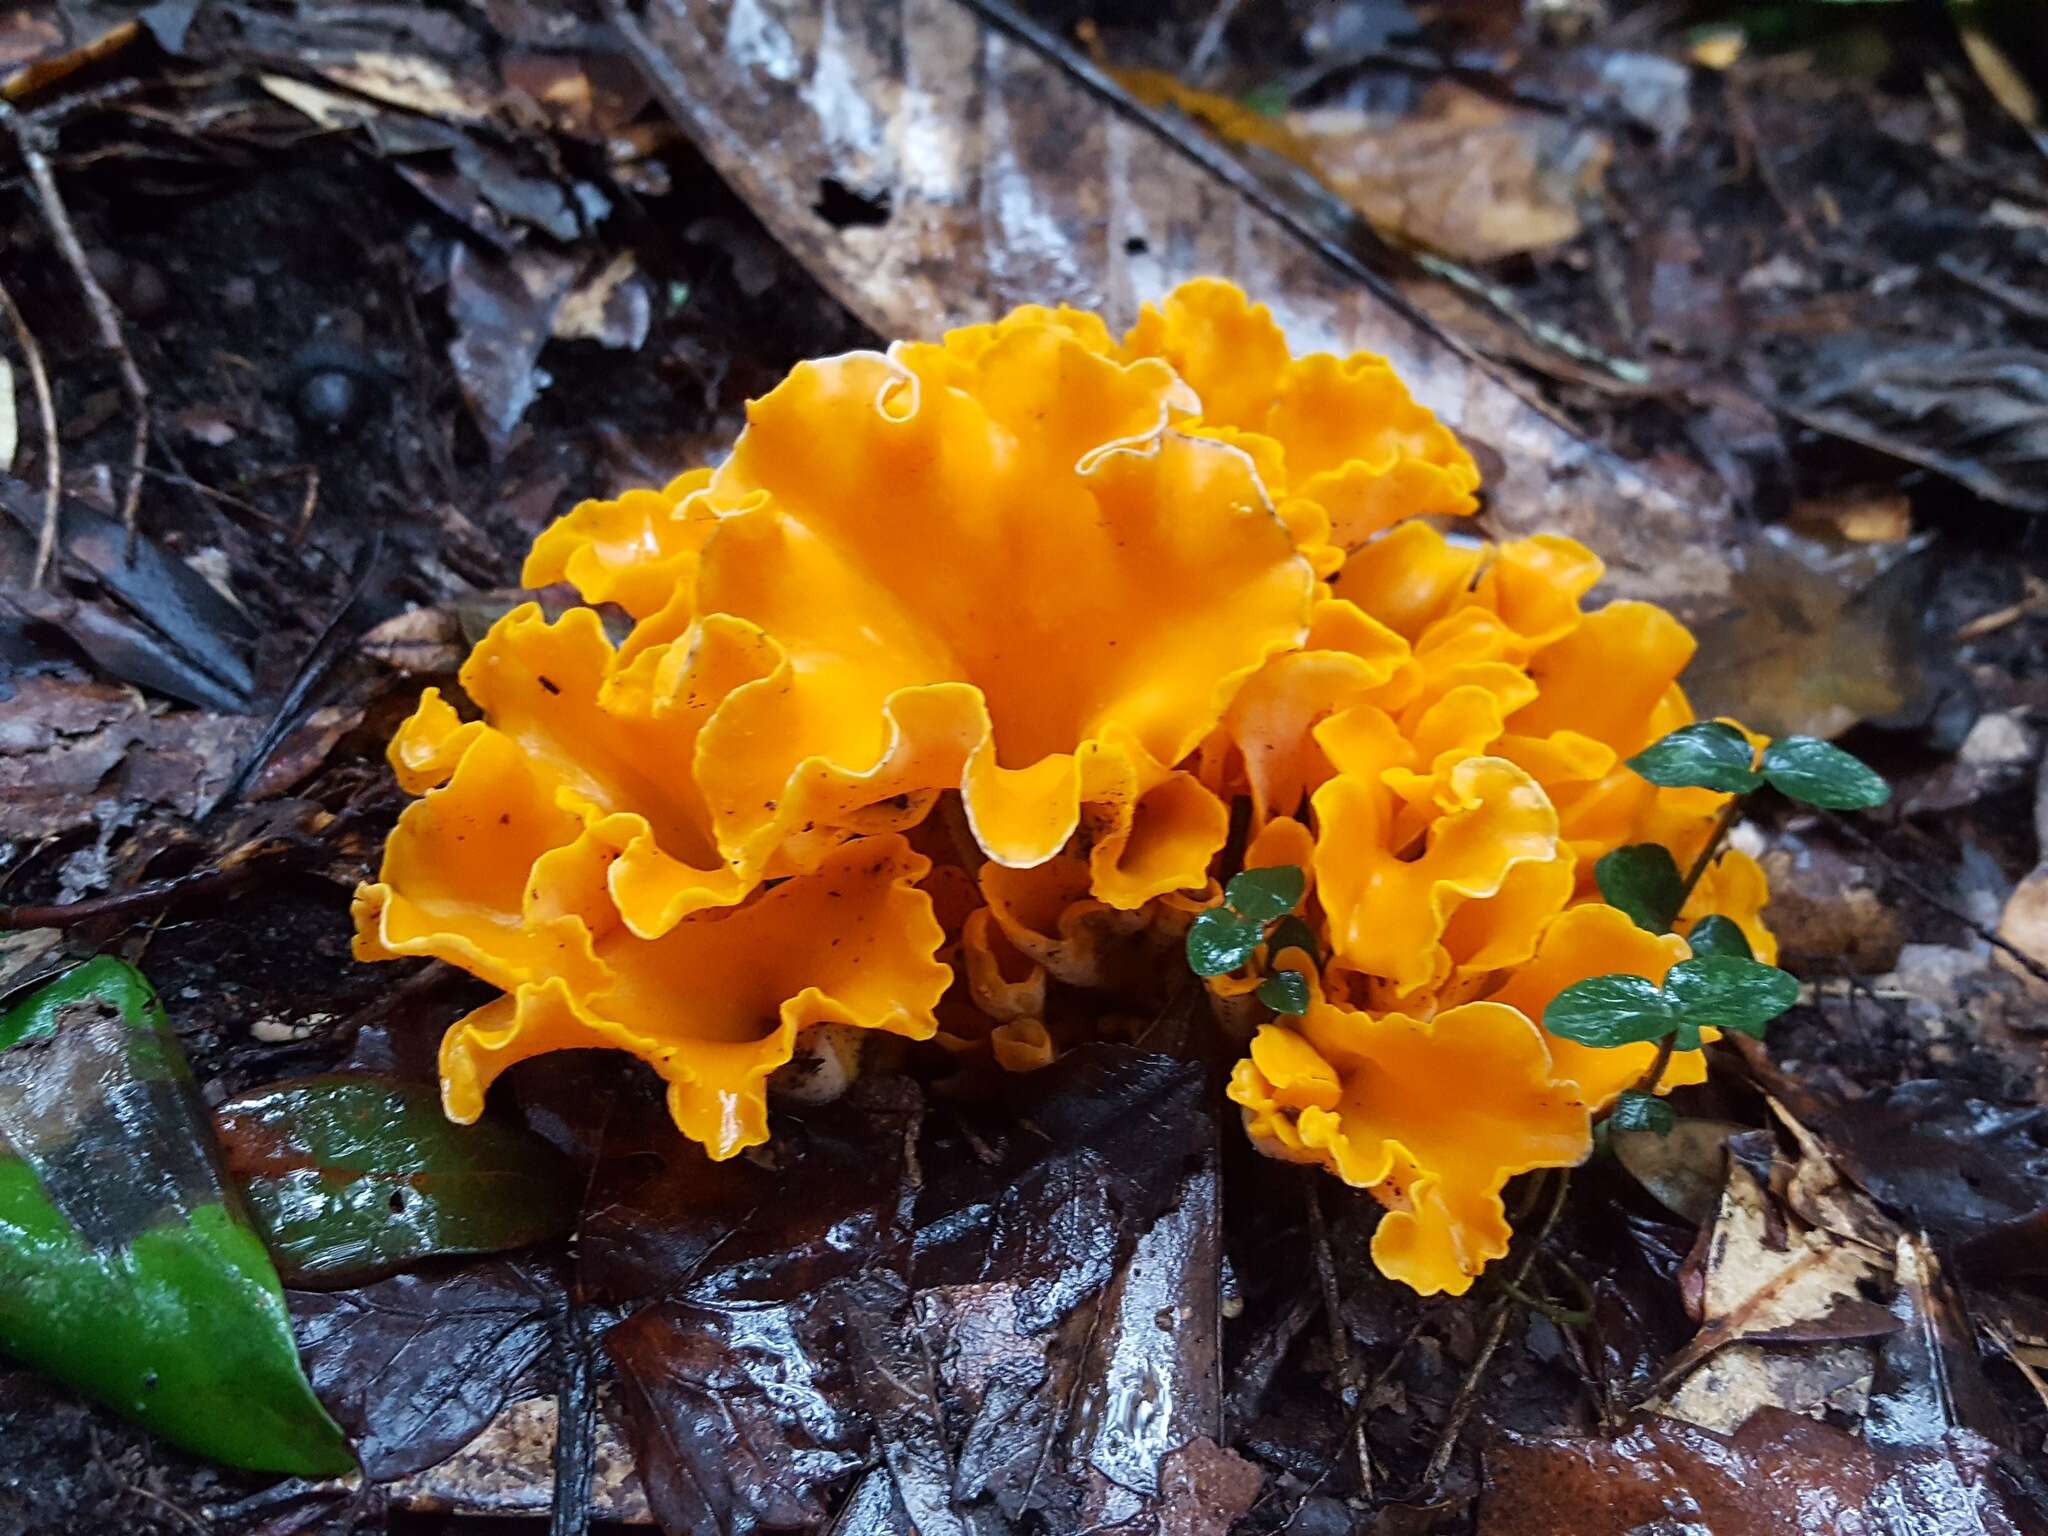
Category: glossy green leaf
[1718,935]
[353,1176]
[1285,992]
[1219,941]
[1814,772]
[1635,1111]
[126,1270]
[1605,1011]
[1266,894]
[1643,881]
[1706,755]
[1728,992]
[1292,933]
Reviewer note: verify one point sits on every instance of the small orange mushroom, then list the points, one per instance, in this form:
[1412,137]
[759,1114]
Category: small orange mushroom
[1433,1115]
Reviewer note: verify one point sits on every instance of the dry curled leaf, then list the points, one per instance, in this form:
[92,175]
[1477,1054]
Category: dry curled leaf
[1978,416]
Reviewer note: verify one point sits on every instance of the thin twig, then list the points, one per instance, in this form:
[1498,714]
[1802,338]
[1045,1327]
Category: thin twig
[1746,135]
[575,1426]
[1496,1330]
[1211,40]
[53,463]
[29,137]
[2025,961]
[152,896]
[1340,1336]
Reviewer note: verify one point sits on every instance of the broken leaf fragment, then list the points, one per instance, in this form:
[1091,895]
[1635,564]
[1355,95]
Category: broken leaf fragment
[126,1269]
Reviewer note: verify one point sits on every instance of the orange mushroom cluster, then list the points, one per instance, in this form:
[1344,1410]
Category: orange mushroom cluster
[926,711]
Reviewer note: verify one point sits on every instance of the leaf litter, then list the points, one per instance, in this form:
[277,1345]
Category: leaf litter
[1067,1306]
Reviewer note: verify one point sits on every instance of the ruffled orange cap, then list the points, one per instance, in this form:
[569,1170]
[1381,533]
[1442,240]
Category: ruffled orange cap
[999,573]
[714,1005]
[1341,435]
[1434,1116]
[1450,875]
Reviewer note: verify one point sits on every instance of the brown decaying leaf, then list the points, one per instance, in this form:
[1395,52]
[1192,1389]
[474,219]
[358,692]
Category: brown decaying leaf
[1822,634]
[1463,174]
[1681,1170]
[932,170]
[1777,1473]
[1767,1277]
[73,753]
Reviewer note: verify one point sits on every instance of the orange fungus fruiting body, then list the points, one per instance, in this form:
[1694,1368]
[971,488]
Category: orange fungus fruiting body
[926,711]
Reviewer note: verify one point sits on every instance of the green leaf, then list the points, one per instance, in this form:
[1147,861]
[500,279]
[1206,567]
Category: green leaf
[1266,894]
[1605,1011]
[1707,755]
[1643,880]
[1220,941]
[352,1177]
[1718,935]
[1292,933]
[126,1270]
[1813,772]
[1635,1111]
[1285,992]
[1728,992]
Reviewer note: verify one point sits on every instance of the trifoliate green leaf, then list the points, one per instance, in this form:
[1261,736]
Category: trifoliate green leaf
[1635,1111]
[1285,992]
[1265,894]
[1813,772]
[1728,992]
[1718,935]
[1643,880]
[1606,1011]
[1708,755]
[1220,941]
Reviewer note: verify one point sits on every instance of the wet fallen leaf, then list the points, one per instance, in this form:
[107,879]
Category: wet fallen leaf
[415,1366]
[743,1417]
[1823,634]
[1683,1170]
[1978,416]
[1956,1164]
[826,1200]
[1778,1473]
[934,173]
[1462,174]
[350,1177]
[1929,1381]
[125,1269]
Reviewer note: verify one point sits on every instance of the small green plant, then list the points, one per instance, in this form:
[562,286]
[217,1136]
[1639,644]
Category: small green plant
[1723,986]
[1258,908]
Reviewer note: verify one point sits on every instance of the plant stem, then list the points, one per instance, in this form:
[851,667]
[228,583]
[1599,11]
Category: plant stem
[1715,839]
[1647,1083]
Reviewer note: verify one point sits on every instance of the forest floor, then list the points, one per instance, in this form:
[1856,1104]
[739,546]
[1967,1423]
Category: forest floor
[395,286]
